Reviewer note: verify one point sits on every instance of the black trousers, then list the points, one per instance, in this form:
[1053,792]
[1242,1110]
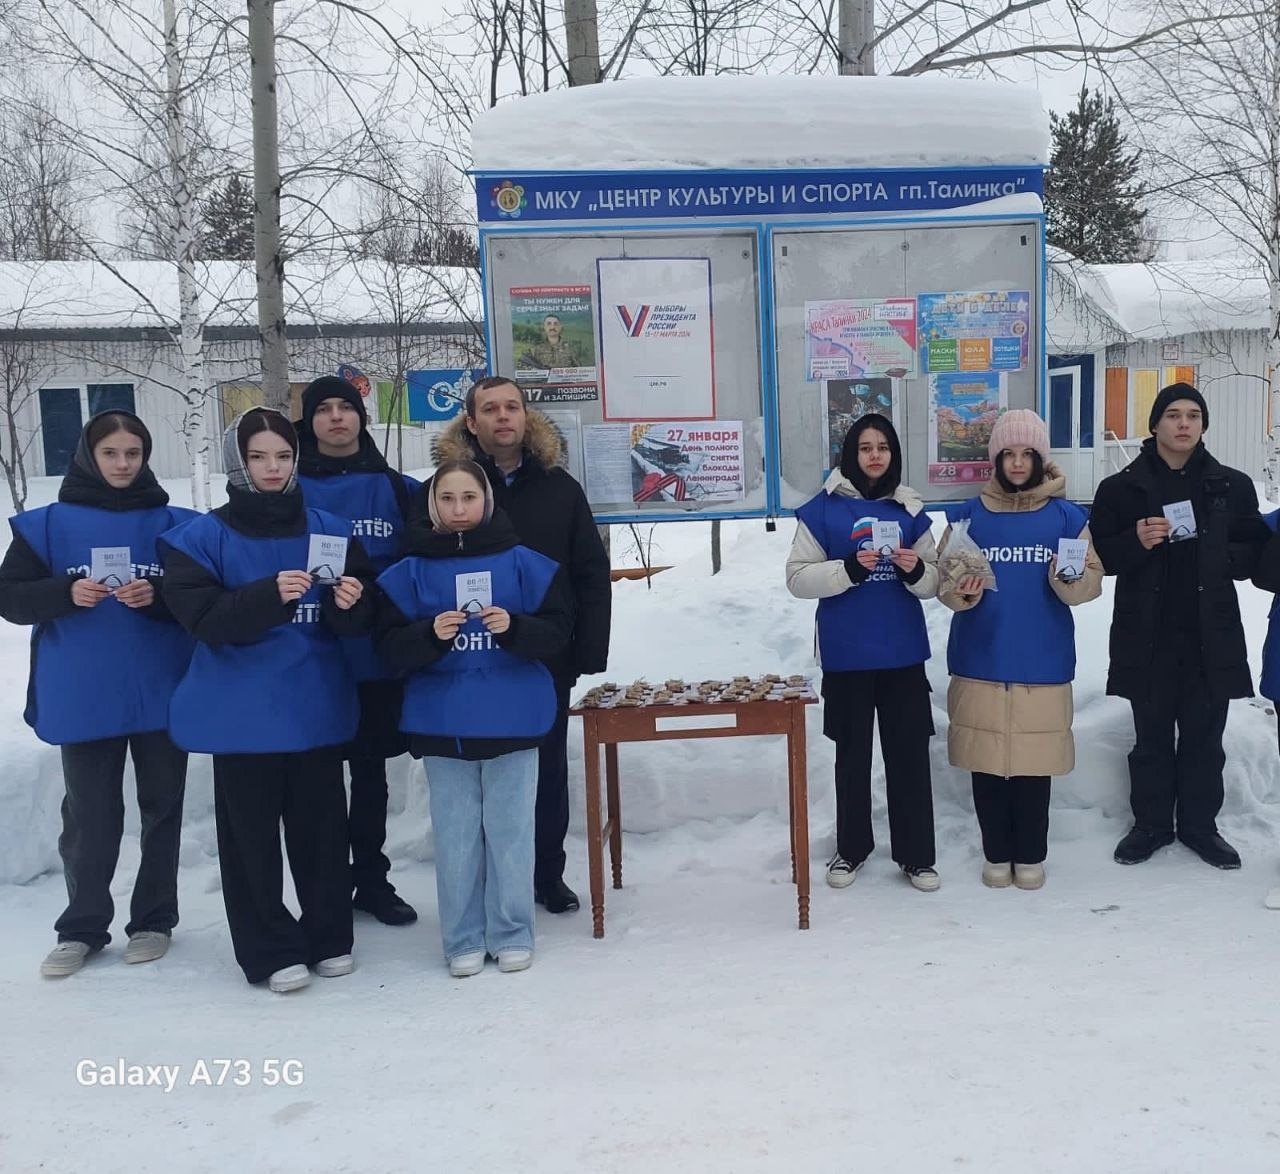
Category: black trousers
[551,810]
[1178,782]
[898,699]
[252,795]
[377,739]
[93,822]
[1013,815]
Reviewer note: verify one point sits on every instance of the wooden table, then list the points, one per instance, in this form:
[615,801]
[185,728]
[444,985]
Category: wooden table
[613,725]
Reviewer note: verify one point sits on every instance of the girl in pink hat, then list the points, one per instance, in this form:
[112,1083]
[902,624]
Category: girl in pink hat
[1012,652]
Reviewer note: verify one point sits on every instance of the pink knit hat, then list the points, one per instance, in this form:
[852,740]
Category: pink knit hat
[1019,428]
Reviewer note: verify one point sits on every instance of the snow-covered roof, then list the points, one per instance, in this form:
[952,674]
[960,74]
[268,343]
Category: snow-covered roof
[1165,299]
[743,123]
[91,295]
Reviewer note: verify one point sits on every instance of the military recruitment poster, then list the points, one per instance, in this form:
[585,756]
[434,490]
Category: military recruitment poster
[656,338]
[553,337]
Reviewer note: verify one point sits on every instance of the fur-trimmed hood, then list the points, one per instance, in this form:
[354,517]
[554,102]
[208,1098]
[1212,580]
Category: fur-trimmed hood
[542,440]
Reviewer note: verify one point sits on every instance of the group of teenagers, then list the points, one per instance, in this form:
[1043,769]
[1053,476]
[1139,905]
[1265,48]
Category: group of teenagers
[1175,528]
[468,606]
[463,613]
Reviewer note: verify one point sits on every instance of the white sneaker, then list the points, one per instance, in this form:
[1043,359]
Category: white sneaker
[335,967]
[65,958]
[840,873]
[997,876]
[514,959]
[146,946]
[1028,876]
[922,877]
[1272,899]
[289,978]
[465,965]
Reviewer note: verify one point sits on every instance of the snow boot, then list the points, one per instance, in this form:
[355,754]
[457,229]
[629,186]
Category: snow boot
[997,876]
[1028,876]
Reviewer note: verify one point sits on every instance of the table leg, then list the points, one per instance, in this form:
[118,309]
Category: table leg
[798,761]
[614,801]
[595,854]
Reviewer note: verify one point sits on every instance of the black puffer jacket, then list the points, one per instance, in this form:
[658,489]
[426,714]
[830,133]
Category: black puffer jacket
[550,514]
[1182,593]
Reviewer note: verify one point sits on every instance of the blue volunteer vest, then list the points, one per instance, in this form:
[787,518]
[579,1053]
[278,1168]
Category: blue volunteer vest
[292,690]
[104,671]
[1270,686]
[877,624]
[1021,633]
[477,689]
[369,501]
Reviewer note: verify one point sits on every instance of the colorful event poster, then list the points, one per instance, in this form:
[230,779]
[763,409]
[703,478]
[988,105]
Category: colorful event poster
[974,331]
[844,402]
[672,461]
[552,334]
[656,338]
[962,411]
[855,338]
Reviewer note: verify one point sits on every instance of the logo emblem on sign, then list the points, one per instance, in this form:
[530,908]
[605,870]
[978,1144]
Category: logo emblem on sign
[633,320]
[508,198]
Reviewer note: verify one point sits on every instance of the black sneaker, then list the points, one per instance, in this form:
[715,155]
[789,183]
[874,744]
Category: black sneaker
[924,878]
[386,905]
[1141,844]
[556,897]
[841,873]
[1211,848]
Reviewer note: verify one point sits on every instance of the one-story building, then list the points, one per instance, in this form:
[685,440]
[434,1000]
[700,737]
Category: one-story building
[77,337]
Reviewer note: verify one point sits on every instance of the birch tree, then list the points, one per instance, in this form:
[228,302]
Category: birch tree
[1206,110]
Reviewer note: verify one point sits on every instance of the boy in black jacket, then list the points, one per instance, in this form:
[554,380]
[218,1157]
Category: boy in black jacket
[1177,643]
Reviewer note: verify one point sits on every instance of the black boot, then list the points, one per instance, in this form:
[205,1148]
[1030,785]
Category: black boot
[1141,844]
[1211,848]
[556,896]
[385,904]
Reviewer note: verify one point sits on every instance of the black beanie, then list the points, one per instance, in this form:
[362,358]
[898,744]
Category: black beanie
[331,387]
[1171,394]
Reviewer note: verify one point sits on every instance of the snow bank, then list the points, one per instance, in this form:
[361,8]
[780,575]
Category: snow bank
[755,122]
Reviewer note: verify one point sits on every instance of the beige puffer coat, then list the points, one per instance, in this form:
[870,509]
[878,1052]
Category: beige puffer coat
[1016,729]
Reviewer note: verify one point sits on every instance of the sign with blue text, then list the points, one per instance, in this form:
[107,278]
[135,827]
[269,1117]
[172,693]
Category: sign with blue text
[666,195]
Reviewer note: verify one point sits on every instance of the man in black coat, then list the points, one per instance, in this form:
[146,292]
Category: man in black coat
[1176,528]
[522,454]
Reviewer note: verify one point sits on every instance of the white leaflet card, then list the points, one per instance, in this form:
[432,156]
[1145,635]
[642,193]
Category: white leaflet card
[886,537]
[327,558]
[1182,520]
[112,566]
[1071,556]
[475,591]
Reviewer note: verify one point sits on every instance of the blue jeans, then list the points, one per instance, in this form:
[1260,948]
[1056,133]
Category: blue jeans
[482,816]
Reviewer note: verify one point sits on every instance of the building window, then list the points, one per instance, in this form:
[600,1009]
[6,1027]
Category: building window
[64,411]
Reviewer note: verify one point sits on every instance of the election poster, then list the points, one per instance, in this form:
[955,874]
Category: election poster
[856,338]
[656,338]
[845,402]
[552,334]
[974,331]
[962,411]
[671,461]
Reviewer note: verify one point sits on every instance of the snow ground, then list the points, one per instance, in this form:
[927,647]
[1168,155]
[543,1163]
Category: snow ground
[1118,1019]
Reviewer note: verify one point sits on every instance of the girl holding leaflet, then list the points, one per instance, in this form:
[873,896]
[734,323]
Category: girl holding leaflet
[872,644]
[470,613]
[105,658]
[1012,652]
[270,695]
